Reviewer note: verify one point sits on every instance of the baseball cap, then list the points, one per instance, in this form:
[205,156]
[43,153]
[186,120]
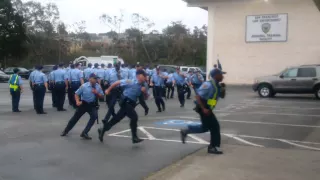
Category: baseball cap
[215,72]
[92,75]
[140,71]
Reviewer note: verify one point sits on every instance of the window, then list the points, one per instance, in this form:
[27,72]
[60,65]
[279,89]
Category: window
[291,73]
[184,69]
[191,69]
[307,72]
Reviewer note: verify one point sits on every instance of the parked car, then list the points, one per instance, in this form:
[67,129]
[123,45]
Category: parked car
[23,72]
[187,69]
[4,77]
[297,80]
[169,68]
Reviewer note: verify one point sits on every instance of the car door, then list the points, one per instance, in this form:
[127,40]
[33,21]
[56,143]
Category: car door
[305,79]
[288,80]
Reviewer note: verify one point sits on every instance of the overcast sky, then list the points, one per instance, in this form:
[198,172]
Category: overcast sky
[161,12]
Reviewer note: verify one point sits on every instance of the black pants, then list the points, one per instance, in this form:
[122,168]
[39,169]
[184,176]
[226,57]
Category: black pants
[70,97]
[158,90]
[181,91]
[74,86]
[60,90]
[89,108]
[208,123]
[39,93]
[53,95]
[188,91]
[111,102]
[103,89]
[196,87]
[142,102]
[15,97]
[34,98]
[126,109]
[170,88]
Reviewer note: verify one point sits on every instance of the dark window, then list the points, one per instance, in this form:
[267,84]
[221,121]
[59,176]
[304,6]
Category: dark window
[307,72]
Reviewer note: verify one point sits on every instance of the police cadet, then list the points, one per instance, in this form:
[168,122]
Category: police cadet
[131,92]
[169,85]
[51,86]
[31,76]
[188,83]
[88,92]
[67,77]
[163,87]
[16,88]
[114,76]
[206,100]
[101,74]
[60,86]
[142,97]
[95,69]
[40,85]
[196,80]
[179,80]
[157,81]
[87,72]
[75,81]
[124,71]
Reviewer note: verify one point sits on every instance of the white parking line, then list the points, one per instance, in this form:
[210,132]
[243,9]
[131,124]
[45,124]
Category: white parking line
[242,140]
[299,145]
[256,122]
[282,114]
[150,137]
[275,101]
[282,107]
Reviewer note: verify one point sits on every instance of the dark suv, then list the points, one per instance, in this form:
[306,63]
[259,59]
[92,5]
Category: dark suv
[297,80]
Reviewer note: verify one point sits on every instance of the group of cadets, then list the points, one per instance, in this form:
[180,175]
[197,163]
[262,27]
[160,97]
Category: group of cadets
[130,86]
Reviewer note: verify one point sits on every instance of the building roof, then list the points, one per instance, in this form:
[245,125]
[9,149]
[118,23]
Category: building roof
[195,2]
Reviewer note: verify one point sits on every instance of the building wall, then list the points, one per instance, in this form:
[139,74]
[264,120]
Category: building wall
[244,61]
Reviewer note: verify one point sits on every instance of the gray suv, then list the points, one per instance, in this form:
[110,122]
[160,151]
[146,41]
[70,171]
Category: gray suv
[303,79]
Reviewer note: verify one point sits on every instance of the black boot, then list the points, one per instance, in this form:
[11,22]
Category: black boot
[101,134]
[64,133]
[214,150]
[85,136]
[183,135]
[136,140]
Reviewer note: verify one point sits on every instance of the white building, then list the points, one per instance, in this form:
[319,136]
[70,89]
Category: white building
[260,37]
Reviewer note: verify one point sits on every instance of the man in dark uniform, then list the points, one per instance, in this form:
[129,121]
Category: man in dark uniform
[16,88]
[40,85]
[179,80]
[60,85]
[207,97]
[51,87]
[131,91]
[75,78]
[86,97]
[31,77]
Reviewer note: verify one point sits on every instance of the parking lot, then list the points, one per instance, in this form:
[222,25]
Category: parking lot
[31,148]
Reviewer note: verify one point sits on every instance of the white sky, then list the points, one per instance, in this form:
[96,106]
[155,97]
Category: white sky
[161,12]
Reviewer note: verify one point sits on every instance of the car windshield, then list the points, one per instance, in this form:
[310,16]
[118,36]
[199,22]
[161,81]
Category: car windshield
[203,69]
[1,72]
[281,72]
[22,69]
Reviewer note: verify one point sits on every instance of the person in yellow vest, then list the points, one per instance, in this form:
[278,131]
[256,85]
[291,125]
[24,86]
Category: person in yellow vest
[16,88]
[206,100]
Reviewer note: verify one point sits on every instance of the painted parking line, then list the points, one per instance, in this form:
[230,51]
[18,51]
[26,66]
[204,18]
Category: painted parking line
[197,140]
[283,107]
[279,102]
[256,122]
[283,114]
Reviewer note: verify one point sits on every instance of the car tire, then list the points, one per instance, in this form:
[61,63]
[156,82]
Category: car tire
[265,91]
[317,92]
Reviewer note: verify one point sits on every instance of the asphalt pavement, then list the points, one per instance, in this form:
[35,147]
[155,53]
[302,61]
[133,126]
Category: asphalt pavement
[31,148]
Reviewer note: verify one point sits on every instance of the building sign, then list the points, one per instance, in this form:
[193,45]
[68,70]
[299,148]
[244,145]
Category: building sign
[267,28]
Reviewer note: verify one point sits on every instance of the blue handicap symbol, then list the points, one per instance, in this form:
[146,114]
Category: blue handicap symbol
[175,122]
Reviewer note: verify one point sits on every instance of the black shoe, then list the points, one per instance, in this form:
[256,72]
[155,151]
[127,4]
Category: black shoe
[136,140]
[54,106]
[214,150]
[42,113]
[188,98]
[101,134]
[64,133]
[163,108]
[159,111]
[104,121]
[85,136]
[16,111]
[62,110]
[182,105]
[183,135]
[146,112]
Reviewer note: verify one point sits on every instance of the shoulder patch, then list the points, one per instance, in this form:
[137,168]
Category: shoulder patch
[204,85]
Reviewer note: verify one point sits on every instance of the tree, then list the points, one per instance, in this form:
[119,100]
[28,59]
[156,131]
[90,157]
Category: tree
[317,2]
[12,32]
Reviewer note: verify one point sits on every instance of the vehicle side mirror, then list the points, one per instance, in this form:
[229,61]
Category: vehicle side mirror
[281,76]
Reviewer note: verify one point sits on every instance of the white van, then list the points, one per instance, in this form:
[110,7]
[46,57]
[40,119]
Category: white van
[100,60]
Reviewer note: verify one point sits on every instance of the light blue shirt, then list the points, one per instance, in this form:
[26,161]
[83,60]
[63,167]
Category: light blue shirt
[170,78]
[132,89]
[207,90]
[188,78]
[107,74]
[85,92]
[75,75]
[180,80]
[39,77]
[50,77]
[59,75]
[100,73]
[87,73]
[113,76]
[31,76]
[157,79]
[19,81]
[149,71]
[95,71]
[197,79]
[124,73]
[132,74]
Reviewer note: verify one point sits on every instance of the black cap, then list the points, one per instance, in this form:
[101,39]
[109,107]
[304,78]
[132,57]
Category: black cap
[93,76]
[96,65]
[39,67]
[61,65]
[109,65]
[16,70]
[89,65]
[102,65]
[140,71]
[77,64]
[72,66]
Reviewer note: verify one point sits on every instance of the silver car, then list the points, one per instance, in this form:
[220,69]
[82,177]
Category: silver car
[296,80]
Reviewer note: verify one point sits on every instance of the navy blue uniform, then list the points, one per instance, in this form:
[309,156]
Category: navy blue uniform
[88,106]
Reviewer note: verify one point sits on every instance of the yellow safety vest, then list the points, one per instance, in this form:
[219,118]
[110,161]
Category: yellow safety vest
[14,86]
[213,102]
